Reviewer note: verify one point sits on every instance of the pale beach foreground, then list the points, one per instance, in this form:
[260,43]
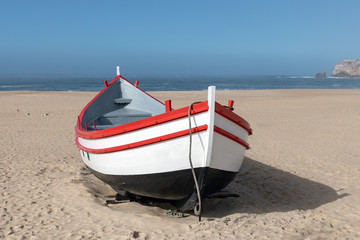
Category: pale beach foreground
[300,180]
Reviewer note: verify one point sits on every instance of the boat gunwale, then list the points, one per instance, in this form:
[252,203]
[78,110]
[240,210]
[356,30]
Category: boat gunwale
[144,123]
[162,118]
[230,115]
[154,120]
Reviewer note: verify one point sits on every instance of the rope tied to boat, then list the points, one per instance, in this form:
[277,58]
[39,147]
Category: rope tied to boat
[197,208]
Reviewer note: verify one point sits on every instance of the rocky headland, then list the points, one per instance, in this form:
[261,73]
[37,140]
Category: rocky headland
[320,75]
[349,68]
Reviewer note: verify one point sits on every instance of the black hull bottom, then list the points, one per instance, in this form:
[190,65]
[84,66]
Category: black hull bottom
[177,185]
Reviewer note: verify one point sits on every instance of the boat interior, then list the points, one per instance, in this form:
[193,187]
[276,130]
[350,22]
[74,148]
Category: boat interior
[112,108]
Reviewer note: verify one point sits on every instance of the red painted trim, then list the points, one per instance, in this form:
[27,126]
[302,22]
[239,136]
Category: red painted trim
[144,123]
[230,104]
[168,105]
[233,117]
[231,136]
[144,142]
[78,123]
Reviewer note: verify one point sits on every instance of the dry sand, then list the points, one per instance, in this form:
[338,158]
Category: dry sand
[300,180]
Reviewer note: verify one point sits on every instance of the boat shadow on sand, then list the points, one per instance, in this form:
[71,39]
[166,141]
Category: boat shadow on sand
[261,189]
[265,189]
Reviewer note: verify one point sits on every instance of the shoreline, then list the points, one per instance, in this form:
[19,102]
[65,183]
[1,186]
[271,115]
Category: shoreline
[297,181]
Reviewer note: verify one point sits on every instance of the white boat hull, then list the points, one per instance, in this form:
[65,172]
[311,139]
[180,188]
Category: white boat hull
[150,157]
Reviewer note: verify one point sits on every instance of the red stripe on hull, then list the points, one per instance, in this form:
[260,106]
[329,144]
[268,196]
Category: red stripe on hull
[148,122]
[144,142]
[231,136]
[233,117]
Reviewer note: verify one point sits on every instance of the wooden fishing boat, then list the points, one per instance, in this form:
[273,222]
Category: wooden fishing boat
[138,144]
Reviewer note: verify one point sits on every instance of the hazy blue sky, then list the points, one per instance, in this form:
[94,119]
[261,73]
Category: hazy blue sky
[178,37]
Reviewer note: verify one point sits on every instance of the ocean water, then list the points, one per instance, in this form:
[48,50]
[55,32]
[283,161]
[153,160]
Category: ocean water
[172,83]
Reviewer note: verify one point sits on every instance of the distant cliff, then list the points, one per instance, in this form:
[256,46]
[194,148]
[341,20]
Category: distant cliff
[347,68]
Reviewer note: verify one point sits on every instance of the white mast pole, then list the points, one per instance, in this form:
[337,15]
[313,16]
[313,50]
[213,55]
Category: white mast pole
[117,70]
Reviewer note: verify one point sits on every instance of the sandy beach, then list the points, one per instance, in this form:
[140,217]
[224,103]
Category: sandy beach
[299,180]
